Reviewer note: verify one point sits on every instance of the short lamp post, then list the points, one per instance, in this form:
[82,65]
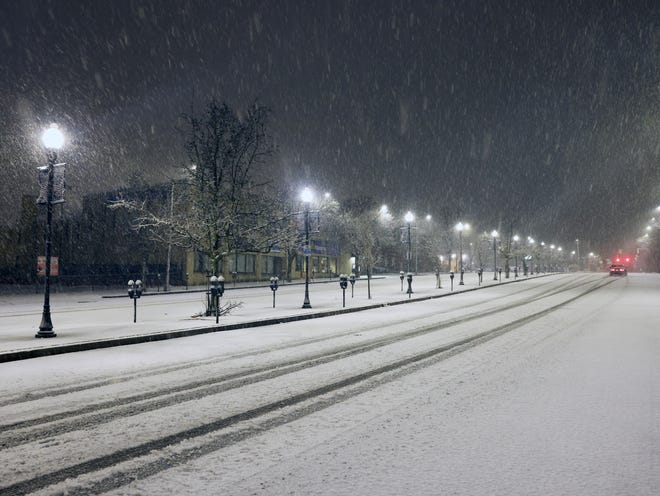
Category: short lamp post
[343,284]
[351,279]
[494,234]
[217,290]
[53,140]
[134,293]
[274,284]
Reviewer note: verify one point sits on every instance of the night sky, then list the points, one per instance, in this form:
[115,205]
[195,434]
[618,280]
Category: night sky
[541,115]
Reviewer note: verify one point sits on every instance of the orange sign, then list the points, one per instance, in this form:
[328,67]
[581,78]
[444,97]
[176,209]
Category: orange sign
[54,266]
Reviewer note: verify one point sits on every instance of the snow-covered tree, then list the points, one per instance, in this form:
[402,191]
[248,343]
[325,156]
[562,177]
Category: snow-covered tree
[222,204]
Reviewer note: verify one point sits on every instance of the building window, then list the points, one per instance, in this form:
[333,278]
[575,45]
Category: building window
[242,263]
[201,262]
[268,265]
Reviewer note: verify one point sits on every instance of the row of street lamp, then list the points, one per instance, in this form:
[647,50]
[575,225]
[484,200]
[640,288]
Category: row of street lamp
[53,140]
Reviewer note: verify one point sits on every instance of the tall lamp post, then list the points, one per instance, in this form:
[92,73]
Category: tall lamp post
[494,234]
[516,238]
[409,217]
[460,227]
[53,140]
[307,196]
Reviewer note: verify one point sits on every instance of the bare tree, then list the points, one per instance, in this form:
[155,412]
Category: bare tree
[221,205]
[364,233]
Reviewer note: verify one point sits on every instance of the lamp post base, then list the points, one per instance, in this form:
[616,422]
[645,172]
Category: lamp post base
[45,328]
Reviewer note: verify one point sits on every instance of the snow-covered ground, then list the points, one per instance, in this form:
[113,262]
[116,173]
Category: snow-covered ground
[550,387]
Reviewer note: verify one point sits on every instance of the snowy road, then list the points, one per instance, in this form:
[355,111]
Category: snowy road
[550,386]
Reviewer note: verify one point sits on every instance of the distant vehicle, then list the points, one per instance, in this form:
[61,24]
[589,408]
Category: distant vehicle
[622,259]
[618,270]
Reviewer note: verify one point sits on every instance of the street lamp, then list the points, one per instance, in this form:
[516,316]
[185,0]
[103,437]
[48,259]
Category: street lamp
[541,259]
[307,196]
[494,234]
[53,140]
[460,227]
[552,259]
[516,238]
[409,217]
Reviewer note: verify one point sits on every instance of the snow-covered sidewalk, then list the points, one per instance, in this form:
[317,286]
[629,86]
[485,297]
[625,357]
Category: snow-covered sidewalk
[88,320]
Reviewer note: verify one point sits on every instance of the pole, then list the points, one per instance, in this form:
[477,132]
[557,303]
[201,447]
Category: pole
[306,303]
[460,252]
[409,246]
[46,326]
[169,241]
[134,310]
[494,258]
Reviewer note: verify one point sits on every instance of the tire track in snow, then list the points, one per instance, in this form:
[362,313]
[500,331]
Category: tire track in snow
[263,417]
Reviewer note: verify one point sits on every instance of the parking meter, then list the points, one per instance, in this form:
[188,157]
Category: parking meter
[401,276]
[351,279]
[217,290]
[409,278]
[134,292]
[451,277]
[274,284]
[343,284]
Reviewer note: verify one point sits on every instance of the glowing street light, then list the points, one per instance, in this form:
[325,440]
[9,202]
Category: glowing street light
[494,234]
[307,196]
[53,140]
[460,227]
[409,217]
